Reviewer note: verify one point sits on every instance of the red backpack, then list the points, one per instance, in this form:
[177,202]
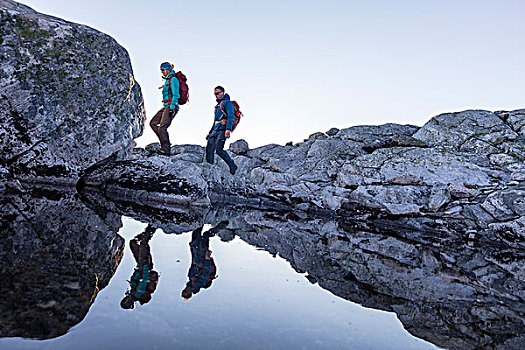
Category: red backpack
[236,111]
[184,92]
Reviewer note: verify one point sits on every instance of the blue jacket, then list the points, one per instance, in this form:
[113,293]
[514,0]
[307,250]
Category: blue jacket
[227,107]
[170,97]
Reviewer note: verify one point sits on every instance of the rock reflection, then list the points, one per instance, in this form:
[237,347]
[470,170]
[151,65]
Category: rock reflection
[55,255]
[203,270]
[443,288]
[144,279]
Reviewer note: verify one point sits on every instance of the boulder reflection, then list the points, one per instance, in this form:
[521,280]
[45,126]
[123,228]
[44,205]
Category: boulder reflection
[56,254]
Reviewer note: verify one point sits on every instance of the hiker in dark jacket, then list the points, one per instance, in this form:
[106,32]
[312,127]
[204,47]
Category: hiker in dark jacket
[144,279]
[202,271]
[170,99]
[221,129]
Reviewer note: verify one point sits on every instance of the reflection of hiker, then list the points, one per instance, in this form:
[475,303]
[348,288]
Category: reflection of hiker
[202,271]
[221,129]
[170,99]
[144,279]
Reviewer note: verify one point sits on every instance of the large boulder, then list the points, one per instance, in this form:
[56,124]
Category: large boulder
[68,97]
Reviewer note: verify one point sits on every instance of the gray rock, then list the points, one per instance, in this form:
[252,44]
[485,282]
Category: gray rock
[68,98]
[152,147]
[518,176]
[332,132]
[335,174]
[506,205]
[402,209]
[239,147]
[398,140]
[438,197]
[317,136]
[460,191]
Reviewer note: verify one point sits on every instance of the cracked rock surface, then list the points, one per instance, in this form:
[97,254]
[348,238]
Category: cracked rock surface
[68,98]
[466,165]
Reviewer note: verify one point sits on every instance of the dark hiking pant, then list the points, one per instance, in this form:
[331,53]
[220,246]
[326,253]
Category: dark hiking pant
[160,123]
[216,145]
[141,251]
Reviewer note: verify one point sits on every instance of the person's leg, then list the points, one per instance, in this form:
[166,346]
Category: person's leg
[155,121]
[210,147]
[134,246]
[222,153]
[165,122]
[145,255]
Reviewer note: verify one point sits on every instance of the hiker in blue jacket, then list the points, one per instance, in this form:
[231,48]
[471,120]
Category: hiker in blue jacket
[221,129]
[202,271]
[144,279]
[170,99]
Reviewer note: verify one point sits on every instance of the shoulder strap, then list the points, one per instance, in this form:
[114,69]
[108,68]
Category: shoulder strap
[169,81]
[220,107]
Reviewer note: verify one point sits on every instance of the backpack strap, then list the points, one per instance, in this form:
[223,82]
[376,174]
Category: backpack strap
[220,107]
[169,91]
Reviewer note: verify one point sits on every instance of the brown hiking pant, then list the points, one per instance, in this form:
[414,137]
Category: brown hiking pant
[160,123]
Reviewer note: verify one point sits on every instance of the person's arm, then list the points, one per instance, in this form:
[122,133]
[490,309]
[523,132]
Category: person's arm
[175,93]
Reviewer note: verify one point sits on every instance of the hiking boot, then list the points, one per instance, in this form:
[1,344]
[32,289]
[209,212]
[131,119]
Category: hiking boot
[233,169]
[162,153]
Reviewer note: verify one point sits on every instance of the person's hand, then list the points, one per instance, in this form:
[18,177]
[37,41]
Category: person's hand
[207,136]
[227,134]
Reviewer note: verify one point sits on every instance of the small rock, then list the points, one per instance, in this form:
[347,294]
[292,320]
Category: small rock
[332,132]
[289,143]
[460,191]
[239,147]
[406,180]
[438,197]
[317,136]
[302,206]
[153,147]
[518,176]
[402,209]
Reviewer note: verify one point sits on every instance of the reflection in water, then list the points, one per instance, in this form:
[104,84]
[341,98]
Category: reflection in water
[442,288]
[55,256]
[202,271]
[144,279]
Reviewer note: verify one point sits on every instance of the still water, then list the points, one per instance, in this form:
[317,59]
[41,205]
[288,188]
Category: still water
[253,279]
[257,301]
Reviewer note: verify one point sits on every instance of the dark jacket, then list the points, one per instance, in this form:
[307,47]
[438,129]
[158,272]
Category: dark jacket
[229,114]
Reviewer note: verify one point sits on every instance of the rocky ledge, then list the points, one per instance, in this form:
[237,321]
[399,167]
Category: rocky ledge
[466,165]
[68,98]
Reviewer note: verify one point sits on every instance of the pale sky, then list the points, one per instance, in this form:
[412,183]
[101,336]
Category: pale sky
[297,67]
